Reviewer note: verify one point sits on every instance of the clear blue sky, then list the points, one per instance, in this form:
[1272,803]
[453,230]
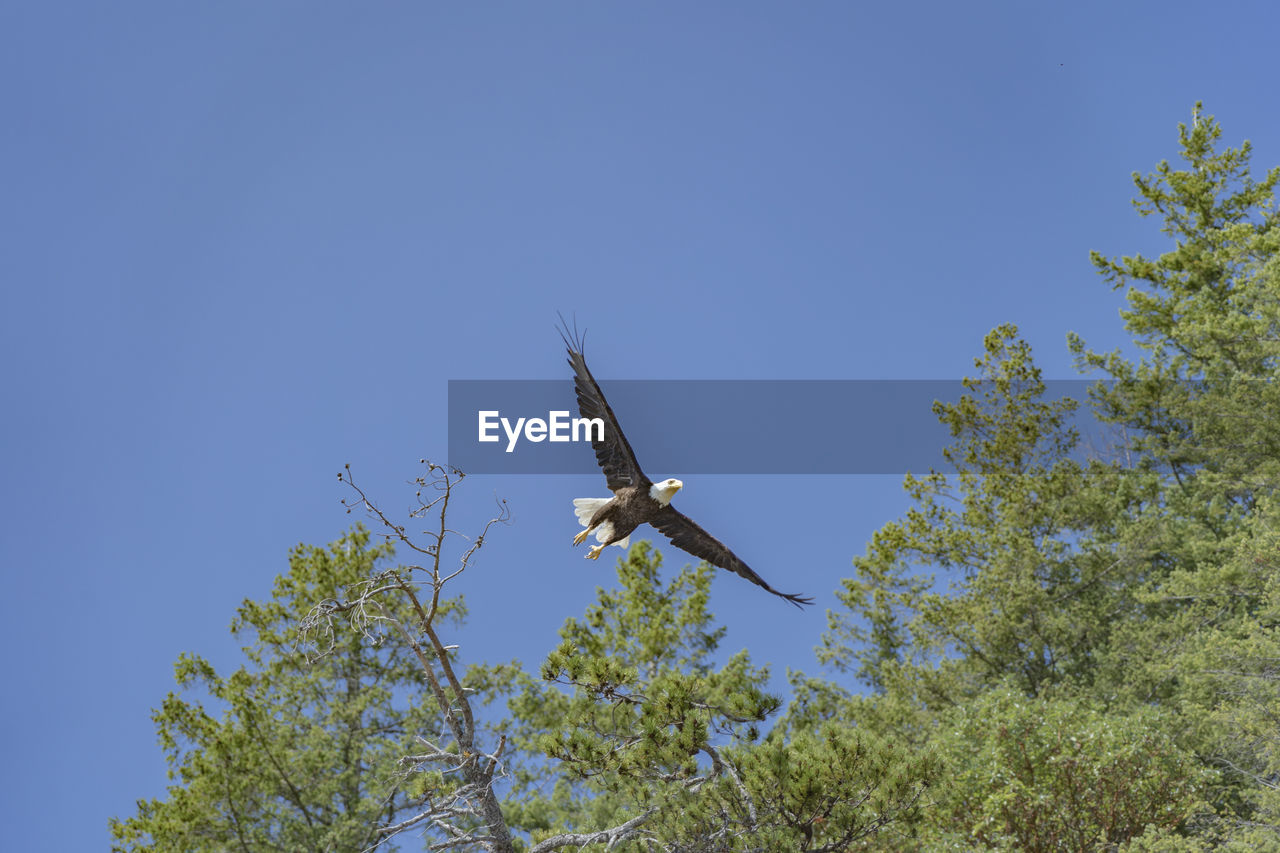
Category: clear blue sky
[245,243]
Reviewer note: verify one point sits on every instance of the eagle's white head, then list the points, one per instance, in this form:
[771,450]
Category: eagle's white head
[666,490]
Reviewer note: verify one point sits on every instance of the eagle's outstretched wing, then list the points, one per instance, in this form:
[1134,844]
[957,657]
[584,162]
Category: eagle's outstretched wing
[686,535]
[613,453]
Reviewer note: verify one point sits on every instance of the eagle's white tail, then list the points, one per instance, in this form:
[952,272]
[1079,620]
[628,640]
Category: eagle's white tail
[584,508]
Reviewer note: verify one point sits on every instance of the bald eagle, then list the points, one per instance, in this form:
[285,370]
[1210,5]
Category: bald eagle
[637,499]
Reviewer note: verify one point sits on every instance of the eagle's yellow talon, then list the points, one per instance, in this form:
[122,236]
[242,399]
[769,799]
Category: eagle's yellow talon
[594,553]
[581,537]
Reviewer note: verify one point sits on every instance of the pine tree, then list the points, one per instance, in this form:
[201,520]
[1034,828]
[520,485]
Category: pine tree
[286,752]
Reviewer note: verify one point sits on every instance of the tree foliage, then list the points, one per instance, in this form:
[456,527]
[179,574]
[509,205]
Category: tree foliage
[286,752]
[1084,643]
[651,726]
[1060,773]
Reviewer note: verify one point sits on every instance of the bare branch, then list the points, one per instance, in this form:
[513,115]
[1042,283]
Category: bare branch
[608,837]
[722,767]
[468,815]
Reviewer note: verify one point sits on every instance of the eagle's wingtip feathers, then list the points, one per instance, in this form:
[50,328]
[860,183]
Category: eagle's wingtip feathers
[800,601]
[573,340]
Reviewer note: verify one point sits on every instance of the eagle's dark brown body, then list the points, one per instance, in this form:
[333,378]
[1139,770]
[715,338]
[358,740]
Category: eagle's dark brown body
[631,507]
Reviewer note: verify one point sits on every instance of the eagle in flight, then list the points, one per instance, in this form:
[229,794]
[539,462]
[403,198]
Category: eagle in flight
[637,499]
